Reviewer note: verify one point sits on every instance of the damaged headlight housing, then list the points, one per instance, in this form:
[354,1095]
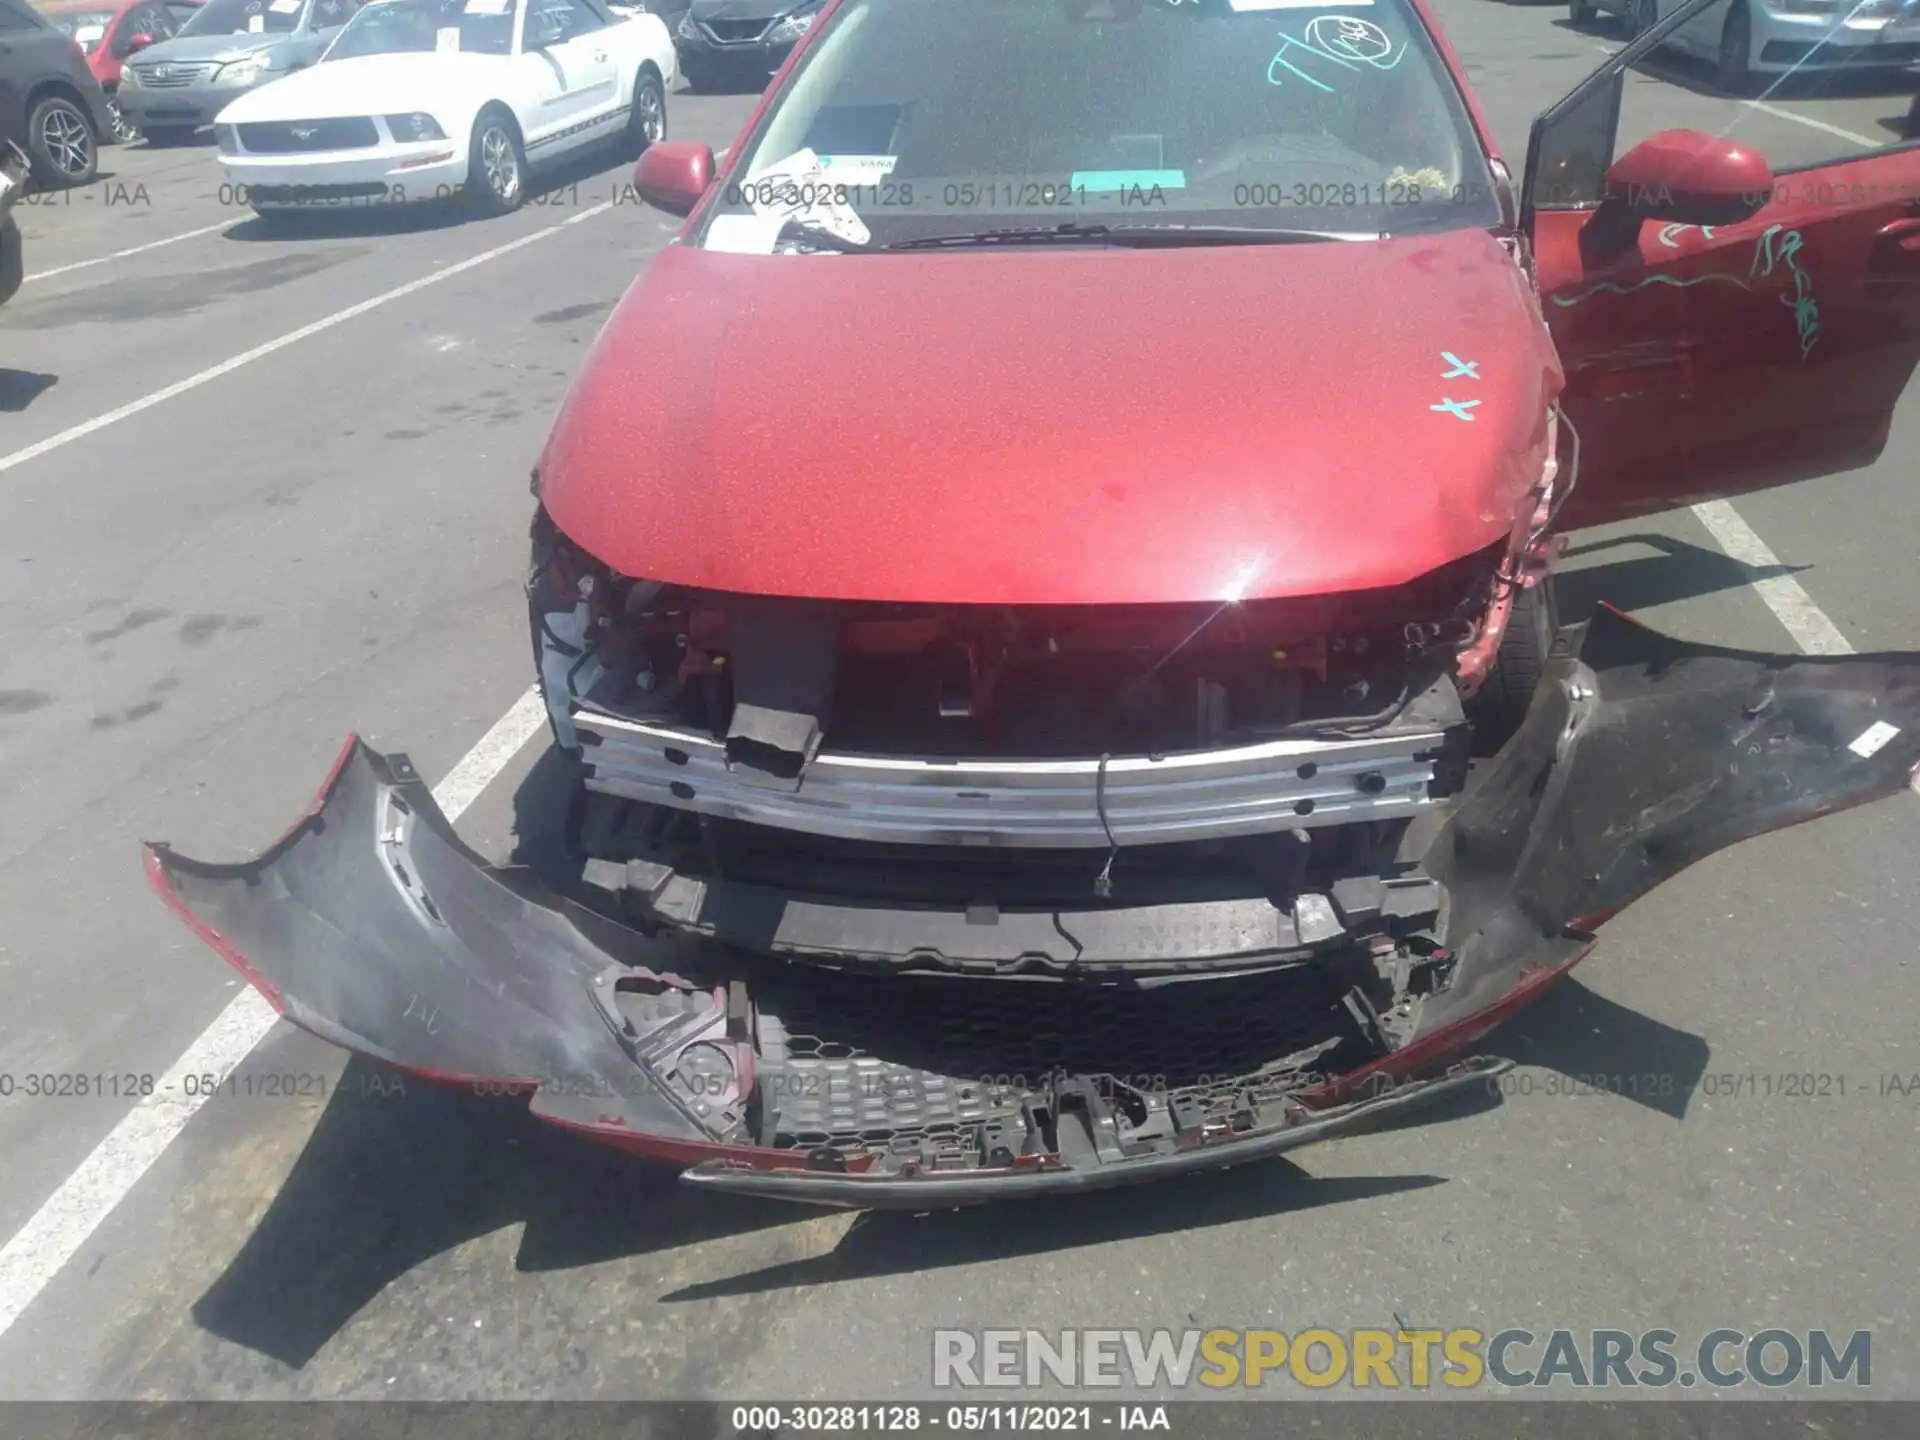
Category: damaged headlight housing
[791,28]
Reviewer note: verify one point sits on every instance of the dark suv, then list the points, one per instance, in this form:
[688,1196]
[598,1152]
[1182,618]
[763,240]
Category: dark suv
[50,103]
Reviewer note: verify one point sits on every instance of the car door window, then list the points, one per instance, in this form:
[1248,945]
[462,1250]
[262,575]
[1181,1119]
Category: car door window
[554,22]
[1809,85]
[329,13]
[1728,252]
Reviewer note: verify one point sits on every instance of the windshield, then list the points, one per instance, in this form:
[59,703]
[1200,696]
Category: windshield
[87,27]
[921,117]
[391,27]
[238,17]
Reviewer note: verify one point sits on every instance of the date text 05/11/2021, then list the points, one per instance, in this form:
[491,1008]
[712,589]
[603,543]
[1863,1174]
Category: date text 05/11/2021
[849,1419]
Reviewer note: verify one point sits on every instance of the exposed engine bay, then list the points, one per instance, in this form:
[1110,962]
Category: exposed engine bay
[1199,787]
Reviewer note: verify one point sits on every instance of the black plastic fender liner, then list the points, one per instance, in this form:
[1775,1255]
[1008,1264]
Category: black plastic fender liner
[1641,755]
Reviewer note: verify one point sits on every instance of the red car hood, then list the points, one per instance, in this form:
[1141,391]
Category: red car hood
[1058,426]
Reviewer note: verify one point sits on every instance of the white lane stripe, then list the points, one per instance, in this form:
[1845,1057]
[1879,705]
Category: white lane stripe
[123,254]
[1865,141]
[1806,622]
[48,1241]
[292,337]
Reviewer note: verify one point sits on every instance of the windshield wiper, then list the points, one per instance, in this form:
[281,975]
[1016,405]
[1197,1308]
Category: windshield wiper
[1130,236]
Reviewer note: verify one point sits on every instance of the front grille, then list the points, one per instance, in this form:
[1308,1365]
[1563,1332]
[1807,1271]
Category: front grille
[169,74]
[859,1061]
[736,32]
[283,137]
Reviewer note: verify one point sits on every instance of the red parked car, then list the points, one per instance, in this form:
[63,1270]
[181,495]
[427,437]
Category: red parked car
[109,35]
[1047,587]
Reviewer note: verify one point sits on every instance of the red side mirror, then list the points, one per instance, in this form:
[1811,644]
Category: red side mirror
[1691,178]
[674,174]
[138,42]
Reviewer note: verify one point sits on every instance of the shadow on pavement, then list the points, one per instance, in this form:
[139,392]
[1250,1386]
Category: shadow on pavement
[1592,1046]
[882,1243]
[1680,571]
[20,388]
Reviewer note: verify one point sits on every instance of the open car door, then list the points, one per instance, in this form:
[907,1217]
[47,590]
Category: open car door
[1724,326]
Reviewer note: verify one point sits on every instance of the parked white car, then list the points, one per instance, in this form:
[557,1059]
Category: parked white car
[1746,39]
[438,99]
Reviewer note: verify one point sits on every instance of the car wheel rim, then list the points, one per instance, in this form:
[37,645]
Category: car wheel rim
[653,114]
[1733,48]
[64,136]
[501,166]
[123,129]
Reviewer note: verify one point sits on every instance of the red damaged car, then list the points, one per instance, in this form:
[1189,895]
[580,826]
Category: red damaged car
[1047,581]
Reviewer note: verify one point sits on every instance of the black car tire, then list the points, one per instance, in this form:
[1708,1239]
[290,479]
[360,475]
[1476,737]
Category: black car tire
[1580,12]
[61,140]
[1641,16]
[1732,71]
[495,134]
[647,121]
[1503,699]
[159,135]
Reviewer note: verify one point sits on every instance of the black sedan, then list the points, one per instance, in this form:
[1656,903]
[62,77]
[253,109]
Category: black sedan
[730,43]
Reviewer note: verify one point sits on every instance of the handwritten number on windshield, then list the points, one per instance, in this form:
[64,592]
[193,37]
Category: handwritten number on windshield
[1347,40]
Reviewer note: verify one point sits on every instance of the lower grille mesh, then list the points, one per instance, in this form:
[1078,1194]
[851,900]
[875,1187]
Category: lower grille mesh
[859,1062]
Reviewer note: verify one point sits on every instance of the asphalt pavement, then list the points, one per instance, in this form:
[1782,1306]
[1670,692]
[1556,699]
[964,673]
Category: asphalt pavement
[256,492]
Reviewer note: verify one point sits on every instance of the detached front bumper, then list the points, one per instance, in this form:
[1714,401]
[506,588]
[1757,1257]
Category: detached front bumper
[371,925]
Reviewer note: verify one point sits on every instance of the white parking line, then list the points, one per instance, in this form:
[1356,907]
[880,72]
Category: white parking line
[72,1213]
[292,337]
[1806,622]
[123,254]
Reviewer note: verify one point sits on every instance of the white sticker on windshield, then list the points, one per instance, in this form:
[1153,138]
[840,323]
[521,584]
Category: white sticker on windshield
[256,24]
[753,234]
[284,7]
[447,40]
[488,7]
[799,187]
[1248,7]
[857,169]
[87,34]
